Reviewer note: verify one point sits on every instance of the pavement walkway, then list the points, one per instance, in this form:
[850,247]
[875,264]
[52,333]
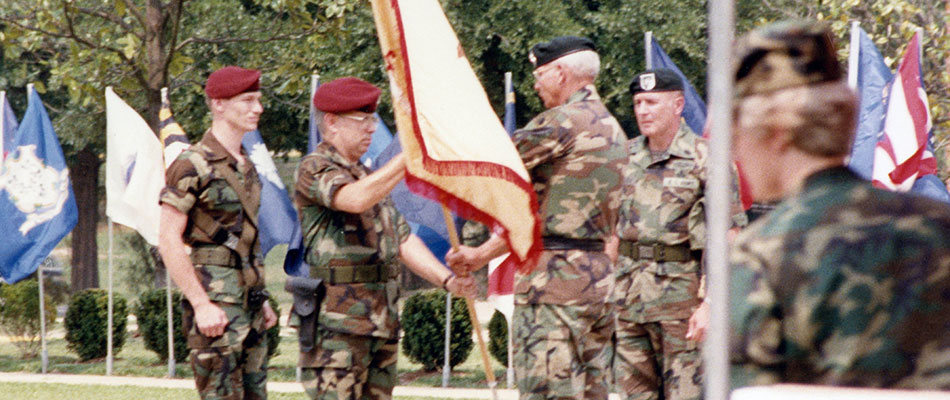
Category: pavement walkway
[287,387]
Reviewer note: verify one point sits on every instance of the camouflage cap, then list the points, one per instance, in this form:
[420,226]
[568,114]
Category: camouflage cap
[783,55]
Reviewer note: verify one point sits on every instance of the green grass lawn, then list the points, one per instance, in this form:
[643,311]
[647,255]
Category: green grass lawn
[135,360]
[41,391]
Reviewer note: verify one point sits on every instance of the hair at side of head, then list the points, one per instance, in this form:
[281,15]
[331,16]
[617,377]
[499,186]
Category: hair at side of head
[581,64]
[318,117]
[821,118]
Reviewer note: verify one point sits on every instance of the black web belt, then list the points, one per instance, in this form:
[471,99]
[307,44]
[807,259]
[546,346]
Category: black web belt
[563,243]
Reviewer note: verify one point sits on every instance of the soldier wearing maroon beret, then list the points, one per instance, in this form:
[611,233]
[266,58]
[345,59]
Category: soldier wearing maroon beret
[210,204]
[355,239]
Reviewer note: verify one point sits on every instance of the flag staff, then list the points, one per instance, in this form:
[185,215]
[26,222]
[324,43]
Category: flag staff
[716,347]
[109,316]
[510,127]
[853,55]
[489,374]
[168,299]
[447,353]
[648,48]
[39,281]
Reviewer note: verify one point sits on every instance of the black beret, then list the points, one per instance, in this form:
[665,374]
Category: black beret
[346,94]
[231,81]
[656,80]
[545,52]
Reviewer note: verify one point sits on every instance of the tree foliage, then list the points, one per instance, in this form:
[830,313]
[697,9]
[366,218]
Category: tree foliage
[891,24]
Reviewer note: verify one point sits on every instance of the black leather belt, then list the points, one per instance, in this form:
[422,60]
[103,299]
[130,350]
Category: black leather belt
[563,243]
[656,252]
[351,273]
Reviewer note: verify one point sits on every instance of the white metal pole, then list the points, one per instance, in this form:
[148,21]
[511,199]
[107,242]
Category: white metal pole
[45,354]
[720,78]
[854,54]
[446,368]
[39,276]
[511,369]
[648,48]
[109,317]
[171,325]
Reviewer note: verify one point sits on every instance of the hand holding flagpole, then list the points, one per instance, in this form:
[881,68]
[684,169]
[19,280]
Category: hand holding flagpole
[472,315]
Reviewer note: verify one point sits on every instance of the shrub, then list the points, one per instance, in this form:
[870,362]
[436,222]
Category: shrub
[86,321]
[20,317]
[273,334]
[498,337]
[151,313]
[423,319]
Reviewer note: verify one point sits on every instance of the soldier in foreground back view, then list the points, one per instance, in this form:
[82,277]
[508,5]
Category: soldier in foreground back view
[842,284]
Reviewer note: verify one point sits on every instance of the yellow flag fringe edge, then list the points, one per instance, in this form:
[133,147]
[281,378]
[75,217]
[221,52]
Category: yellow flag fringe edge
[486,192]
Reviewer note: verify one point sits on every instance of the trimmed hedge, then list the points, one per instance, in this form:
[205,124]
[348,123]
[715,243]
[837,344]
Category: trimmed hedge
[498,337]
[20,317]
[87,319]
[423,321]
[152,317]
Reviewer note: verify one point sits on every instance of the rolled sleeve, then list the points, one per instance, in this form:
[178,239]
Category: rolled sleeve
[181,186]
[319,180]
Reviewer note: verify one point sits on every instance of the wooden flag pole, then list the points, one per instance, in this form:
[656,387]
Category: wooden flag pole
[472,315]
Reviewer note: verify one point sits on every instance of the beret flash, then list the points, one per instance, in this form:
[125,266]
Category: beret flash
[656,80]
[346,94]
[231,81]
[545,52]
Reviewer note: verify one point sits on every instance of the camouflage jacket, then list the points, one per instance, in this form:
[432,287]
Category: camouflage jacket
[575,155]
[335,238]
[193,188]
[663,202]
[843,284]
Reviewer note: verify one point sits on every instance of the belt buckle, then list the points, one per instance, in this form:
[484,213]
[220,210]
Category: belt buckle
[659,252]
[645,252]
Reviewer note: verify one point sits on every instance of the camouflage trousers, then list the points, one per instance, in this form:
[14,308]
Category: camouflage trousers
[562,352]
[343,366]
[655,361]
[232,366]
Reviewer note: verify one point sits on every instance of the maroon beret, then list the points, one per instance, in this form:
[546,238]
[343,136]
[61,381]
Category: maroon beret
[346,94]
[231,81]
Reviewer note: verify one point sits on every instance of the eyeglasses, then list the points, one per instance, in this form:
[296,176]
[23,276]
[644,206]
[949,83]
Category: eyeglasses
[366,119]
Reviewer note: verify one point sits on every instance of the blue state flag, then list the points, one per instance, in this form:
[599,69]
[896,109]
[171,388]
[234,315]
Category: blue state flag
[8,125]
[694,111]
[873,76]
[425,216]
[276,218]
[37,206]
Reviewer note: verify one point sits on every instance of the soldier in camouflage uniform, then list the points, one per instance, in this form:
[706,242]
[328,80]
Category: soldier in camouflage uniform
[662,232]
[575,154]
[210,204]
[842,284]
[355,238]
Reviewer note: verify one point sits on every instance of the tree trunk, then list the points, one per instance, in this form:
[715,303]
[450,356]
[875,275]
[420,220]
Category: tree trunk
[85,177]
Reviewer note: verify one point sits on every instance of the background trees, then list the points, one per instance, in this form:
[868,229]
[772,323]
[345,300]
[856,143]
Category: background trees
[72,49]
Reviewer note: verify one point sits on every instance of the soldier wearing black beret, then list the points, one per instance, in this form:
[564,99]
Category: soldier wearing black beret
[575,154]
[661,230]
